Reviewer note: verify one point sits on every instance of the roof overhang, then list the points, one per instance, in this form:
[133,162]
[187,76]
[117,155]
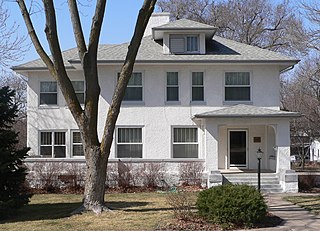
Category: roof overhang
[158,33]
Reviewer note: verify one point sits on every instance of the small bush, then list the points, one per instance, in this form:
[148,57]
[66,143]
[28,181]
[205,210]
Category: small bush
[152,174]
[306,182]
[181,203]
[191,173]
[230,205]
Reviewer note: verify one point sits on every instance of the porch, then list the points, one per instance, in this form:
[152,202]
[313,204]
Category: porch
[234,134]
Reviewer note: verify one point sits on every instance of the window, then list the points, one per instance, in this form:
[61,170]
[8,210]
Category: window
[79,89]
[192,44]
[185,143]
[48,93]
[77,148]
[134,88]
[197,86]
[184,44]
[172,86]
[53,144]
[129,143]
[237,86]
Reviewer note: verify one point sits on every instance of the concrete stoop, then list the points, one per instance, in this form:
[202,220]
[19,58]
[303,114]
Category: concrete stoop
[269,181]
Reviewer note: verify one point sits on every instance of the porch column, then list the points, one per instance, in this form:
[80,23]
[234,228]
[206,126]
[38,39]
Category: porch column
[288,178]
[211,153]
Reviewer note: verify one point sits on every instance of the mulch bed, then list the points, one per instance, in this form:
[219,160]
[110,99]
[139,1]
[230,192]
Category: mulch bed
[200,224]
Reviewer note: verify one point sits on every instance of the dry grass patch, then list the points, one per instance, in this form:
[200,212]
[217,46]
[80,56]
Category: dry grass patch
[311,203]
[135,211]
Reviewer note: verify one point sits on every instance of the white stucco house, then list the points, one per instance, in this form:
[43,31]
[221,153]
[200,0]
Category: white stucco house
[314,151]
[193,96]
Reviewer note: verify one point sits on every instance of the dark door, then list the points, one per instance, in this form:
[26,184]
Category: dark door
[238,148]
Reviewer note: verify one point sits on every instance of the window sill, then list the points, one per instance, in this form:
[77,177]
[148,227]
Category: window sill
[48,107]
[132,103]
[172,103]
[198,103]
[237,102]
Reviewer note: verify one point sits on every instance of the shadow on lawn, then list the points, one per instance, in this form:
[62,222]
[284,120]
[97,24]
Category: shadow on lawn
[34,212]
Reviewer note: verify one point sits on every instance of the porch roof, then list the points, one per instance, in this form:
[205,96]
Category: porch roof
[246,111]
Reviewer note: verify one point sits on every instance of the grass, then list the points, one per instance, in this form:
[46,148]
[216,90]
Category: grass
[311,203]
[135,211]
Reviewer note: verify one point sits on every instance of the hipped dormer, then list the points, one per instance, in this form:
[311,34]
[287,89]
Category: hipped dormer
[184,36]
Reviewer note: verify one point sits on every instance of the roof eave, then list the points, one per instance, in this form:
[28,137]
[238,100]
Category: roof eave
[291,115]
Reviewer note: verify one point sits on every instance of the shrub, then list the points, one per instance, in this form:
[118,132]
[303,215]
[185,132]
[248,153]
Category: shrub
[48,174]
[230,205]
[306,182]
[191,173]
[181,203]
[152,174]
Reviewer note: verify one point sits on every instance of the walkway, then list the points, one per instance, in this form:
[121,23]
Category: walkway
[295,218]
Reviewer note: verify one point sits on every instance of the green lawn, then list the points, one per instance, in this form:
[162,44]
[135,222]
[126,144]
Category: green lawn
[135,211]
[311,203]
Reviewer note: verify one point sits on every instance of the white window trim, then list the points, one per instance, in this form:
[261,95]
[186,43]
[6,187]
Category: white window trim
[165,89]
[142,141]
[184,36]
[198,102]
[233,102]
[52,142]
[172,141]
[39,95]
[71,145]
[131,102]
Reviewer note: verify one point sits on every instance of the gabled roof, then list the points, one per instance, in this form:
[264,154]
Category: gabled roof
[246,111]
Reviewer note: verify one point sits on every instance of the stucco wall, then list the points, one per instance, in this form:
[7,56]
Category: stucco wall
[156,117]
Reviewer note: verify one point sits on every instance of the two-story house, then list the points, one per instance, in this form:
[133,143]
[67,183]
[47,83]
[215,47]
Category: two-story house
[193,96]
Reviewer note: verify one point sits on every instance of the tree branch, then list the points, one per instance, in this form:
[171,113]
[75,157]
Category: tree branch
[125,74]
[77,28]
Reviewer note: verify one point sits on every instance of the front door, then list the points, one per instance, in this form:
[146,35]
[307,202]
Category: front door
[238,148]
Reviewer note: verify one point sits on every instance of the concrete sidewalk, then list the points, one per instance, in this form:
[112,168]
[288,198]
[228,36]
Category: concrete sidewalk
[294,217]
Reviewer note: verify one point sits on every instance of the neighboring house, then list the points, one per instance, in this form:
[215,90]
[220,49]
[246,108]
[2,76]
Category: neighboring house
[315,151]
[193,96]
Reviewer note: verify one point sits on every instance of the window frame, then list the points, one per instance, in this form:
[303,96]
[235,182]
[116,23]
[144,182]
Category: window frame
[53,145]
[40,92]
[124,102]
[237,86]
[185,37]
[183,143]
[203,88]
[72,143]
[167,86]
[117,141]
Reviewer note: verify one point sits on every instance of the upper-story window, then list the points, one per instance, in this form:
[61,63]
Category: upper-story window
[134,91]
[172,86]
[197,86]
[237,86]
[180,44]
[79,90]
[48,93]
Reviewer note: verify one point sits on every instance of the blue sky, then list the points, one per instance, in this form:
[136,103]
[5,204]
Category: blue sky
[118,25]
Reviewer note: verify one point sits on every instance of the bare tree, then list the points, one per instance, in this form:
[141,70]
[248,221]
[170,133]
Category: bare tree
[255,22]
[12,45]
[302,93]
[96,153]
[312,13]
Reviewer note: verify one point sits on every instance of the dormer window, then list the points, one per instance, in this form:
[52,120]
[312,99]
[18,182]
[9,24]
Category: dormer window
[184,44]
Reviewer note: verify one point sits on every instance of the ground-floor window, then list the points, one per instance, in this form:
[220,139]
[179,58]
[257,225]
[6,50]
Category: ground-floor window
[185,143]
[129,143]
[76,141]
[53,144]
